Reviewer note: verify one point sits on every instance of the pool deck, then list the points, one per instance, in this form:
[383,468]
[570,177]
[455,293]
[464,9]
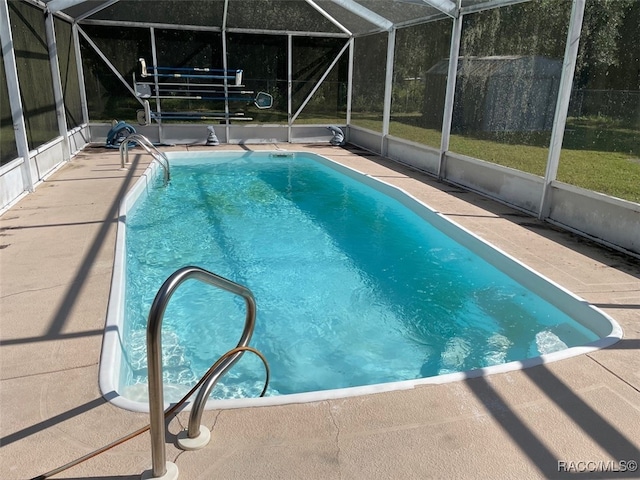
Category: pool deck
[56,260]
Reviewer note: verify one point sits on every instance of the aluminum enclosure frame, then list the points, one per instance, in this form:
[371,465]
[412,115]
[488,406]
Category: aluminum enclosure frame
[547,208]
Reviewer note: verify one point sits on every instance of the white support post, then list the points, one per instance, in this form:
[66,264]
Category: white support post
[290,119]
[562,104]
[80,69]
[225,66]
[13,88]
[454,53]
[350,80]
[58,95]
[388,90]
[154,60]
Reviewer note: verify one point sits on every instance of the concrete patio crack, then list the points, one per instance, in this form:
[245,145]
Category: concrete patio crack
[337,438]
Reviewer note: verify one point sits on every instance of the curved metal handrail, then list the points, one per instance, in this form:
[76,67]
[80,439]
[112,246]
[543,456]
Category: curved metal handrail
[150,148]
[212,378]
[154,348]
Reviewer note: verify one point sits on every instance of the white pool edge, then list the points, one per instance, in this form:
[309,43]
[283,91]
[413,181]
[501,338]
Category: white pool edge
[110,358]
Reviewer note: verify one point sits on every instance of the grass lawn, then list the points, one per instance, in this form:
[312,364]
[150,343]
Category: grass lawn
[598,155]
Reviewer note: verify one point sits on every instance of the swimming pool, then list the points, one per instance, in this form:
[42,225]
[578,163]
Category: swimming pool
[359,287]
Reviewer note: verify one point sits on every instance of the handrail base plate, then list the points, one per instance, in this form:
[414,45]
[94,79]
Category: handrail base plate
[170,474]
[200,441]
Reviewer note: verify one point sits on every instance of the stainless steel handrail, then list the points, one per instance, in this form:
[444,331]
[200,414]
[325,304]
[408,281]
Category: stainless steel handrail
[149,147]
[154,348]
[195,417]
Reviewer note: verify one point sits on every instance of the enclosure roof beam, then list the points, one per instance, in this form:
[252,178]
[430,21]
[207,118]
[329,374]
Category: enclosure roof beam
[96,10]
[489,4]
[445,6]
[168,26]
[329,17]
[293,33]
[365,13]
[421,20]
[57,5]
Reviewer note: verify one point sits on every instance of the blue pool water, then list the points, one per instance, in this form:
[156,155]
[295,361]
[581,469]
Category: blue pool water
[352,287]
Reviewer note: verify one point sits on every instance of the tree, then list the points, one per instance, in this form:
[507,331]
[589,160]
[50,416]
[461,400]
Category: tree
[609,43]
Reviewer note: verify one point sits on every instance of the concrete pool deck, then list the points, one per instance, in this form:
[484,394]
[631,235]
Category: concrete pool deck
[560,420]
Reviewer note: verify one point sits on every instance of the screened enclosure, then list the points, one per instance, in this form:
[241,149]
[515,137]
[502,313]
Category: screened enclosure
[535,103]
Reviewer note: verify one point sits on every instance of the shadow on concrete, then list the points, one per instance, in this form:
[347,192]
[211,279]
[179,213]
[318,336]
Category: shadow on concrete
[53,337]
[595,426]
[110,477]
[51,225]
[626,344]
[50,422]
[57,180]
[87,262]
[630,306]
